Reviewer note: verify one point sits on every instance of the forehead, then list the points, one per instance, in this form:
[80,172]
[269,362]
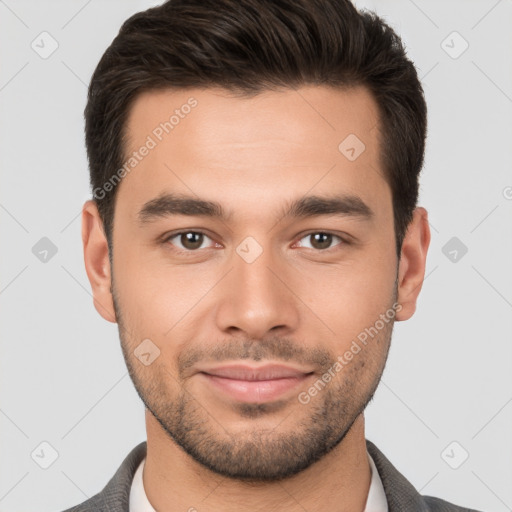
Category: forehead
[277,144]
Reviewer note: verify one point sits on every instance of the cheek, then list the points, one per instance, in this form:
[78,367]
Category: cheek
[351,296]
[159,300]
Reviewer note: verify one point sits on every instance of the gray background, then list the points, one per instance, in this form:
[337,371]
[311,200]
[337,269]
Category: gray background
[448,377]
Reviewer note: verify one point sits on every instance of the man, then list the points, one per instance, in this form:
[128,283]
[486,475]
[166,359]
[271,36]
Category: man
[255,235]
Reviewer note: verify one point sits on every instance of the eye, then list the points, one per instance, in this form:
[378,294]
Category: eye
[190,240]
[321,240]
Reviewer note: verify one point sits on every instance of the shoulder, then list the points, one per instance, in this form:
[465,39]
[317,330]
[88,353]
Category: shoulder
[116,494]
[401,494]
[439,505]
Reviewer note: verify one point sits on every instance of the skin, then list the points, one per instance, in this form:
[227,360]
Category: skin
[298,302]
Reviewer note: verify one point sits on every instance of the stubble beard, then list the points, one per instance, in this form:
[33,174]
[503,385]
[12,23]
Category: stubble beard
[260,455]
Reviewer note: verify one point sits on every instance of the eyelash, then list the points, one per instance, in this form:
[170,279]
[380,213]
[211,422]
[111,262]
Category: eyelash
[166,240]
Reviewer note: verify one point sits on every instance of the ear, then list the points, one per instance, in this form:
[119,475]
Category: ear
[97,264]
[412,263]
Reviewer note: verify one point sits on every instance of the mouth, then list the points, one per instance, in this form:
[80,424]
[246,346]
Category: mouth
[255,384]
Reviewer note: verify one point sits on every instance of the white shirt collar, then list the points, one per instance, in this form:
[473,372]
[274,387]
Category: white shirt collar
[376,501]
[138,500]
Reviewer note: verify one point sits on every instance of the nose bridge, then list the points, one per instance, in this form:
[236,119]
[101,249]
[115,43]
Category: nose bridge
[254,299]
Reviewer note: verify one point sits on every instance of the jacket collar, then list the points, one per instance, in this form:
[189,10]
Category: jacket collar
[400,493]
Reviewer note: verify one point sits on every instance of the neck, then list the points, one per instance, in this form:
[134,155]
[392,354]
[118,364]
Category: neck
[174,481]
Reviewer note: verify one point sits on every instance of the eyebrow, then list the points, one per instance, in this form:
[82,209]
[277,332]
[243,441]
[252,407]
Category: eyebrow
[167,205]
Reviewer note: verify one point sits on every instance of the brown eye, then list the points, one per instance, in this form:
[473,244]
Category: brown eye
[321,240]
[191,240]
[188,240]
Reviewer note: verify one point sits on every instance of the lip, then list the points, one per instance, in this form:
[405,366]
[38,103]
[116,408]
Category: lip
[254,373]
[254,384]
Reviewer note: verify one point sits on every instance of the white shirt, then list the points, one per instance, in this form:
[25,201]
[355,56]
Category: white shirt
[376,501]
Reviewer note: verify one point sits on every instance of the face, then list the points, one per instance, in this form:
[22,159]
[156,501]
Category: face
[254,272]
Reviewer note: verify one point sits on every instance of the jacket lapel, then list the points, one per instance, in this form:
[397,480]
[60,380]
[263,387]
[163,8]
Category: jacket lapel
[400,493]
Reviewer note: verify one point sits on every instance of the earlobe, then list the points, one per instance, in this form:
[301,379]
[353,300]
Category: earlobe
[411,271]
[96,258]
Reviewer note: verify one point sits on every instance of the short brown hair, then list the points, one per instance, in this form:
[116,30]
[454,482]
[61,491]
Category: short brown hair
[248,46]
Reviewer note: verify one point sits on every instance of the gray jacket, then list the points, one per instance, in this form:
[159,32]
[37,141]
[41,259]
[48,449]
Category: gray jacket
[401,495]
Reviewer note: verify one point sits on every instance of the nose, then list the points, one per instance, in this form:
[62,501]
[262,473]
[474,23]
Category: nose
[257,297]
